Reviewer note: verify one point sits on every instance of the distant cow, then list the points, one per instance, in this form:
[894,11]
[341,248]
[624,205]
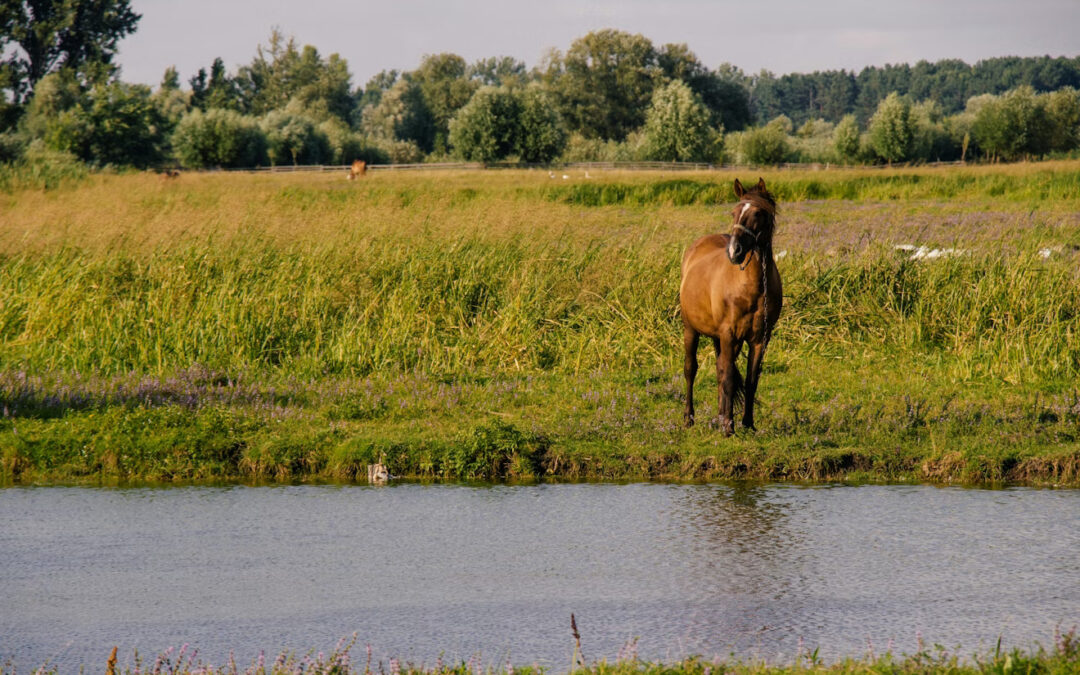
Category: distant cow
[358,169]
[169,174]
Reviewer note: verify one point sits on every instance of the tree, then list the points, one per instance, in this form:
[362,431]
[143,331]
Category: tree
[1012,125]
[326,90]
[677,125]
[221,91]
[604,83]
[401,115]
[836,98]
[113,123]
[48,35]
[500,122]
[127,129]
[891,130]
[55,94]
[846,139]
[1063,112]
[502,70]
[931,140]
[487,127]
[722,92]
[281,72]
[293,138]
[171,101]
[222,138]
[170,80]
[346,145]
[445,86]
[376,87]
[542,134]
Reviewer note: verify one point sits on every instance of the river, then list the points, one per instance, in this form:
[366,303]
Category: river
[493,572]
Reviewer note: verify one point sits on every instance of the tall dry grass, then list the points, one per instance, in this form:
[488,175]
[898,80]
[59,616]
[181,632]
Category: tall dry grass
[499,272]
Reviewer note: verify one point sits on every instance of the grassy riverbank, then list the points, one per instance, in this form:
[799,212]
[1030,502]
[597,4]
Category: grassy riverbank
[507,325]
[1063,658]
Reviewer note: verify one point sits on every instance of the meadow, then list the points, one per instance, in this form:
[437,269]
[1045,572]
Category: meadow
[507,325]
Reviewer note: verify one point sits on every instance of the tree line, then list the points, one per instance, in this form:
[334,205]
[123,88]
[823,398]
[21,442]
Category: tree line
[611,95]
[949,83]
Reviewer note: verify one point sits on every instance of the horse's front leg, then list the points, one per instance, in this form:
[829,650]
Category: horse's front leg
[690,365]
[754,358]
[727,381]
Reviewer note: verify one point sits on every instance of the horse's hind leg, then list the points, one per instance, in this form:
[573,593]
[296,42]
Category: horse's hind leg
[727,378]
[754,357]
[690,364]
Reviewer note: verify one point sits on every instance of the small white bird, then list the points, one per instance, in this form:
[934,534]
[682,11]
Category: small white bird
[565,177]
[551,174]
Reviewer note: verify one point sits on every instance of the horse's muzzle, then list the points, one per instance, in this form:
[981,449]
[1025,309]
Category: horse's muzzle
[736,251]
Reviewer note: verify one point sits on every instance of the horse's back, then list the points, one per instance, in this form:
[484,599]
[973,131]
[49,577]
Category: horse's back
[706,246]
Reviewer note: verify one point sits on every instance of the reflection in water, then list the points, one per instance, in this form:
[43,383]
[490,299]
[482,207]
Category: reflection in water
[423,570]
[741,553]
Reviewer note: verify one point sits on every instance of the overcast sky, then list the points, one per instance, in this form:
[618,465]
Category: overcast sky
[781,35]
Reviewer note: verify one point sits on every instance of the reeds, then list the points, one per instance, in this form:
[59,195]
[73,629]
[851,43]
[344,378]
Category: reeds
[455,306]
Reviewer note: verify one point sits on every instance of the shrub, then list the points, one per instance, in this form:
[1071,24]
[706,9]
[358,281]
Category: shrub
[495,450]
[346,145]
[931,139]
[217,137]
[41,168]
[294,138]
[113,123]
[399,152]
[814,142]
[767,144]
[12,147]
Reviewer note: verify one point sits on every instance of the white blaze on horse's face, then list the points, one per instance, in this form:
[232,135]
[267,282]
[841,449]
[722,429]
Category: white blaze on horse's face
[733,254]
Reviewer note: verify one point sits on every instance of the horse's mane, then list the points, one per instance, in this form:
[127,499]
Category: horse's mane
[761,199]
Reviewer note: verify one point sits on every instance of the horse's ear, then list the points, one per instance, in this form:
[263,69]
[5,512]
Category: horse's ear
[739,190]
[761,184]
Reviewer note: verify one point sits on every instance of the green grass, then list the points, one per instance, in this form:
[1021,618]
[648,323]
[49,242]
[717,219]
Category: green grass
[495,325]
[867,184]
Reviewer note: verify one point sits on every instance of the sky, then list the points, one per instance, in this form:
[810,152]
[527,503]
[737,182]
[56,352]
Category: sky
[782,36]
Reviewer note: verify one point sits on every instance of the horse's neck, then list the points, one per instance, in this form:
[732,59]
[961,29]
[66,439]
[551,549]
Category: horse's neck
[765,246]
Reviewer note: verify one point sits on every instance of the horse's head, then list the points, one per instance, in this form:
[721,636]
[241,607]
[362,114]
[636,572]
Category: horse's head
[755,217]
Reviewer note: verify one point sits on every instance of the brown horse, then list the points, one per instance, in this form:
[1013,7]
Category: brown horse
[731,292]
[357,170]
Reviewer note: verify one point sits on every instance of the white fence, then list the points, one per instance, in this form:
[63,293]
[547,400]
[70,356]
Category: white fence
[599,166]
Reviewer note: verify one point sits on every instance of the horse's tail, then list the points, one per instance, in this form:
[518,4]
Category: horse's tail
[740,393]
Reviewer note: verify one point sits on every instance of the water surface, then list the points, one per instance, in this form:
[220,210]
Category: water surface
[418,571]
